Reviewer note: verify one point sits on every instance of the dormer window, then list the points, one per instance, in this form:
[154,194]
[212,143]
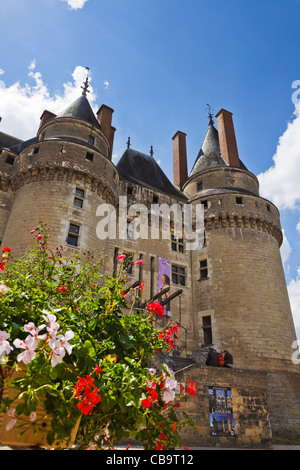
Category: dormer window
[91,140]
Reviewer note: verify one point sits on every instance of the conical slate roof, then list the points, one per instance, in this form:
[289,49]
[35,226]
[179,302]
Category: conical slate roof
[80,109]
[142,169]
[209,155]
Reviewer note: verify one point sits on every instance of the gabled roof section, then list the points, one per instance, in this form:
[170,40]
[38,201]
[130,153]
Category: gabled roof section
[80,109]
[7,141]
[139,168]
[209,155]
[21,146]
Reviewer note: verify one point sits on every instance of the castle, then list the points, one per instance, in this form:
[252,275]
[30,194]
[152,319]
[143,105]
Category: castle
[230,291]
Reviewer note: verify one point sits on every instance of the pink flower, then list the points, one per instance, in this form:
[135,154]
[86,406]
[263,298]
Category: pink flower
[32,231]
[69,335]
[53,326]
[121,257]
[124,295]
[30,344]
[30,328]
[12,422]
[4,344]
[39,237]
[58,352]
[139,262]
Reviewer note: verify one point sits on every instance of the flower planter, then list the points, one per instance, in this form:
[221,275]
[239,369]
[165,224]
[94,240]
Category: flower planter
[30,438]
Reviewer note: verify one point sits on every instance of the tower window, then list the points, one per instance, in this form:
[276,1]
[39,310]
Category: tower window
[207,330]
[203,269]
[268,208]
[130,231]
[155,199]
[128,262]
[79,197]
[129,190]
[239,200]
[200,186]
[205,204]
[73,235]
[91,140]
[10,160]
[177,244]
[178,275]
[89,156]
[35,150]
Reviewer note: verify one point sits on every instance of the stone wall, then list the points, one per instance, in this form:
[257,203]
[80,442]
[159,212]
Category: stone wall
[251,425]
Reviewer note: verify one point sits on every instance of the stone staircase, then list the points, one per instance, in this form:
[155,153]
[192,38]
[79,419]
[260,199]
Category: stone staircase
[177,363]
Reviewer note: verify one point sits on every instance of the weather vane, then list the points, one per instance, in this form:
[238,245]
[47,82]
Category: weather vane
[151,151]
[210,113]
[86,85]
[128,143]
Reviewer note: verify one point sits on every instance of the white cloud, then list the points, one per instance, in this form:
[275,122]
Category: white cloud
[75,4]
[1,72]
[32,66]
[280,183]
[106,84]
[21,105]
[285,249]
[294,295]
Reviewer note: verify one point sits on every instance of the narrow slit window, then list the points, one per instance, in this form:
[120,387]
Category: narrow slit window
[73,235]
[91,140]
[10,160]
[89,156]
[203,269]
[79,198]
[207,330]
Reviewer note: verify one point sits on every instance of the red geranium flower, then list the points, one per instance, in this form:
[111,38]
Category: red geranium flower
[62,290]
[191,390]
[156,308]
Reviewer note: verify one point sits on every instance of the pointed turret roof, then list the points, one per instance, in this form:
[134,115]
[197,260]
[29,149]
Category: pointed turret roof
[209,155]
[142,169]
[80,109]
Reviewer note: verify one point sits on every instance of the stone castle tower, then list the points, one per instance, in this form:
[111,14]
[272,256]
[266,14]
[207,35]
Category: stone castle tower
[232,290]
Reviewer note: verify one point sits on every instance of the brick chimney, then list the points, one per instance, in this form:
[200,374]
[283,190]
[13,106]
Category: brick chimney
[104,116]
[46,116]
[228,145]
[180,172]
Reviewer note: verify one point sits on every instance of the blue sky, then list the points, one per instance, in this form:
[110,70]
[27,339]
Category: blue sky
[158,64]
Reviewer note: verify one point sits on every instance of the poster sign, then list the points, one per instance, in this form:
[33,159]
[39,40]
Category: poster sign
[164,275]
[220,411]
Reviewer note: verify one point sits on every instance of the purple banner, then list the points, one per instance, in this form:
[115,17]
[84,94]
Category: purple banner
[164,275]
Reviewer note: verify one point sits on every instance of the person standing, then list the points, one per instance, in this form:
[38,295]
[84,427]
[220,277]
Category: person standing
[212,358]
[228,359]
